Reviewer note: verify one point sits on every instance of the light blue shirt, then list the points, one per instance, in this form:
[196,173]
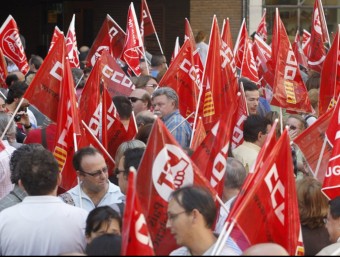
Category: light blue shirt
[112,197]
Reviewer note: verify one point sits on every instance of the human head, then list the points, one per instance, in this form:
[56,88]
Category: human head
[131,158]
[266,249]
[313,204]
[10,79]
[255,129]
[123,106]
[313,81]
[164,101]
[234,178]
[144,132]
[140,100]
[296,124]
[102,220]
[39,172]
[16,91]
[313,96]
[17,155]
[191,209]
[147,82]
[145,67]
[200,36]
[272,116]
[333,219]
[35,62]
[11,131]
[105,245]
[2,103]
[88,161]
[127,145]
[158,62]
[145,117]
[252,94]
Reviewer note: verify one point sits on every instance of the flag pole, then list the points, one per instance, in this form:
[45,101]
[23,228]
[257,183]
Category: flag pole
[320,158]
[12,118]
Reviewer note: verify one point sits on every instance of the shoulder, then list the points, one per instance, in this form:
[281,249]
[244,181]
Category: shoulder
[180,251]
[332,249]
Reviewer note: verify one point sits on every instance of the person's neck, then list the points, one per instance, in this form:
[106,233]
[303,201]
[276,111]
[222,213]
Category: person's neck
[201,242]
[95,196]
[11,107]
[229,193]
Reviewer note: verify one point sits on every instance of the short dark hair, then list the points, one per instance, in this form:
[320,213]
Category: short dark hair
[253,125]
[38,171]
[79,155]
[36,60]
[123,106]
[105,245]
[334,207]
[17,155]
[16,90]
[196,197]
[133,156]
[248,85]
[10,79]
[99,215]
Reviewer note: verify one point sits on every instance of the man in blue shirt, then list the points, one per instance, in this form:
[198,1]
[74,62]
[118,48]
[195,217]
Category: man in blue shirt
[165,103]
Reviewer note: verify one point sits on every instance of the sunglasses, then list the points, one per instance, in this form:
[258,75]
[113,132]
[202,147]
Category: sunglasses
[96,173]
[134,99]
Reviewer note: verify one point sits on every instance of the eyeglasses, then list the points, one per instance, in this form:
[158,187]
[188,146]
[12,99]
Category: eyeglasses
[172,216]
[151,85]
[96,173]
[118,171]
[134,99]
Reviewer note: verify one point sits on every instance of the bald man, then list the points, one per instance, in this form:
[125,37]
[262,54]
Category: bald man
[266,249]
[140,100]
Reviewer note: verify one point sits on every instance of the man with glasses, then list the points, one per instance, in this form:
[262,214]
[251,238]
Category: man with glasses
[140,100]
[94,188]
[191,216]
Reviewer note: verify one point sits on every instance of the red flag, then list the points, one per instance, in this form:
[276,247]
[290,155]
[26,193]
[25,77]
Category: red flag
[136,238]
[226,34]
[262,27]
[289,90]
[319,37]
[300,57]
[214,97]
[71,45]
[113,77]
[311,143]
[176,50]
[241,116]
[11,44]
[110,37]
[188,34]
[56,34]
[163,168]
[211,155]
[331,183]
[133,46]
[44,90]
[3,70]
[305,42]
[146,26]
[248,67]
[67,126]
[330,77]
[272,201]
[182,77]
[199,135]
[228,62]
[240,44]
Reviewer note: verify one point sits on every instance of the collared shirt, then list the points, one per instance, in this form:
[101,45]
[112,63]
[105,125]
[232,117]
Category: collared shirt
[14,197]
[183,132]
[113,196]
[6,184]
[184,251]
[42,225]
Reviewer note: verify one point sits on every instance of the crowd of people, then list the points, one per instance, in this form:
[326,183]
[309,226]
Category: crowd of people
[37,217]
